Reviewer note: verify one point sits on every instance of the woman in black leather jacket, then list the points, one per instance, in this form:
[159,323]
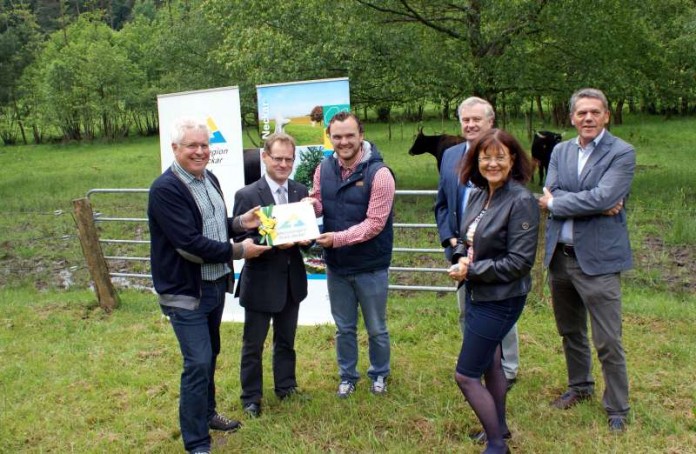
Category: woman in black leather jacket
[492,263]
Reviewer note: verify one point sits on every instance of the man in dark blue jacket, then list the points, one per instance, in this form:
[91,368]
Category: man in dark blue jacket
[191,258]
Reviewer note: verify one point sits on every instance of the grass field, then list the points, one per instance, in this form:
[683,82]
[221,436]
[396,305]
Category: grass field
[74,379]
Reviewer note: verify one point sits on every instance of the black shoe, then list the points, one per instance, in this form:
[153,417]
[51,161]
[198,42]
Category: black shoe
[617,424]
[497,449]
[287,393]
[253,410]
[481,437]
[219,422]
[510,383]
[293,394]
[569,399]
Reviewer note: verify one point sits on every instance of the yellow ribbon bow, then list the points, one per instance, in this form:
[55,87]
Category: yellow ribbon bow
[268,224]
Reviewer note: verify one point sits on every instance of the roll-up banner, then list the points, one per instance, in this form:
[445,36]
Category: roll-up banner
[303,109]
[219,107]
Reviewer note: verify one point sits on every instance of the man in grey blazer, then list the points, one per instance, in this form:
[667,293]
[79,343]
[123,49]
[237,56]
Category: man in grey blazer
[272,285]
[587,247]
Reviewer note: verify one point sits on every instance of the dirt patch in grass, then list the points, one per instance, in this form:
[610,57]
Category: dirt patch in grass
[674,266]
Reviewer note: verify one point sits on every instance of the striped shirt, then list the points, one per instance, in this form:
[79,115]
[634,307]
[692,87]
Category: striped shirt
[378,209]
[214,214]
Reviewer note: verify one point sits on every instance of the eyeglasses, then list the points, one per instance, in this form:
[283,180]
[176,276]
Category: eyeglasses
[279,160]
[489,159]
[195,146]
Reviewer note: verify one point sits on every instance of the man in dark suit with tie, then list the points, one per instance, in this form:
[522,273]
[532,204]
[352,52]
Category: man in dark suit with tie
[272,285]
[587,247]
[476,116]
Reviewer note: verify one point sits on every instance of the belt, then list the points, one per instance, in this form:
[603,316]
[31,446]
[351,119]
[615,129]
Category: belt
[567,249]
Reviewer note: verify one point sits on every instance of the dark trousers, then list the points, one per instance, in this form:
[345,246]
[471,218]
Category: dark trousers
[256,326]
[198,333]
[575,295]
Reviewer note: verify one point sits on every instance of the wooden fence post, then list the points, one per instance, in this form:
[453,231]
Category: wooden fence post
[98,270]
[539,273]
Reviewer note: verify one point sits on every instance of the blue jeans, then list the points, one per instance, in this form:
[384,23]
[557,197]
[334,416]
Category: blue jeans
[369,291]
[198,333]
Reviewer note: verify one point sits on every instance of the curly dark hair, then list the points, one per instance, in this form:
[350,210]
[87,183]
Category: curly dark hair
[521,170]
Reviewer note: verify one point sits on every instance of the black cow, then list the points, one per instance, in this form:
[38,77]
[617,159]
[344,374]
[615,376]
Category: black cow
[542,146]
[435,145]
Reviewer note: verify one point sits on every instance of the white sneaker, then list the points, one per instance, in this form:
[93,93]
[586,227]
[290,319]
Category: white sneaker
[379,386]
[345,389]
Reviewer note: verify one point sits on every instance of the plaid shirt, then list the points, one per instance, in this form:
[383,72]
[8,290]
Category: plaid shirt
[214,214]
[378,209]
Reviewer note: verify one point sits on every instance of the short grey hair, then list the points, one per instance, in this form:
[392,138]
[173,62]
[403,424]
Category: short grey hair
[185,124]
[592,93]
[474,100]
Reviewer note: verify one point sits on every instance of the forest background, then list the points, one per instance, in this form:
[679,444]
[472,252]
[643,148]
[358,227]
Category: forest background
[72,70]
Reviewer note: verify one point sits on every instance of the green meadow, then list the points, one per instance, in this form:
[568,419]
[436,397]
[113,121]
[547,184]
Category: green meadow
[75,379]
[304,132]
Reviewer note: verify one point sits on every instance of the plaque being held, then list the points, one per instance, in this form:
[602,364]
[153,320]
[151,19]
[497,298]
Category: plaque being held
[287,223]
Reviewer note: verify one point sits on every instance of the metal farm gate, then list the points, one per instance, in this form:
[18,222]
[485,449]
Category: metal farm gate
[111,228]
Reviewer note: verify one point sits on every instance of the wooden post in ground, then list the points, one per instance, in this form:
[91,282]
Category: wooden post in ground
[538,272]
[89,239]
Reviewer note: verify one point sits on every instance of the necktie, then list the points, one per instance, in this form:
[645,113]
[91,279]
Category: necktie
[282,199]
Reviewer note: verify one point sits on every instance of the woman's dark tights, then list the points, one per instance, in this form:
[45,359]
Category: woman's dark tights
[488,402]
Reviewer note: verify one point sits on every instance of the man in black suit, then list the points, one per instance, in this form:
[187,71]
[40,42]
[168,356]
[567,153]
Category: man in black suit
[272,285]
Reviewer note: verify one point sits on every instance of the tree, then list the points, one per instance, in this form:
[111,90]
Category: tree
[672,72]
[20,41]
[310,159]
[529,49]
[83,79]
[172,47]
[611,51]
[268,41]
[486,30]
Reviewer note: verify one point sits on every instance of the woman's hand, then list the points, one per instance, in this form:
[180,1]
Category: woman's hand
[458,271]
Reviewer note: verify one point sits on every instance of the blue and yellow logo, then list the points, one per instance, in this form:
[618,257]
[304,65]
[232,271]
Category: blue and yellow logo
[215,134]
[293,222]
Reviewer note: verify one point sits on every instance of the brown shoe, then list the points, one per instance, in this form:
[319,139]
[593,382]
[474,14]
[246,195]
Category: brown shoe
[569,399]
